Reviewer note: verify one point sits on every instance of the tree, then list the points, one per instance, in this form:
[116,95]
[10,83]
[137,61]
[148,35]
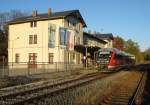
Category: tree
[8,16]
[119,43]
[133,48]
[147,55]
[4,18]
[2,36]
[3,45]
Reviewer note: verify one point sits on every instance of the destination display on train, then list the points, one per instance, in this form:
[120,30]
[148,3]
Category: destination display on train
[105,52]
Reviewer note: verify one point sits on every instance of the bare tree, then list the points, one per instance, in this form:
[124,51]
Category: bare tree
[8,16]
[4,18]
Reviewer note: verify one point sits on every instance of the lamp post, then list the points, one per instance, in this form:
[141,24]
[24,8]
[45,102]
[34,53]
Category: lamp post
[3,57]
[13,47]
[86,57]
[95,58]
[58,58]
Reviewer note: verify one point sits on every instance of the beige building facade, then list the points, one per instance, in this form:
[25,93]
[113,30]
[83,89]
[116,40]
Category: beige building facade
[93,41]
[46,38]
[92,44]
[107,38]
[109,43]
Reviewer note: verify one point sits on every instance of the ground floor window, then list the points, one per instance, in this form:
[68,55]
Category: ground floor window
[72,57]
[51,58]
[78,58]
[17,58]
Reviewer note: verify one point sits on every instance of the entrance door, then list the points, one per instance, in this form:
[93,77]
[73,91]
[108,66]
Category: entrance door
[32,60]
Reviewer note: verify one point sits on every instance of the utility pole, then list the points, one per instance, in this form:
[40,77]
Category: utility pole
[86,57]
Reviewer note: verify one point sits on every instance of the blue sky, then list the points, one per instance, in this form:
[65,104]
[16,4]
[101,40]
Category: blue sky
[129,19]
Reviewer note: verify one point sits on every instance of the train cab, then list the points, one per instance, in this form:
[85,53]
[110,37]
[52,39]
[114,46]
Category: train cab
[111,58]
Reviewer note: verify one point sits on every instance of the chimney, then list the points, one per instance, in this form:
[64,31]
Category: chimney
[49,11]
[34,13]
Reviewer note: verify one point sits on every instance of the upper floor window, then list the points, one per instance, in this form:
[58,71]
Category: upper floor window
[74,24]
[75,42]
[32,39]
[80,27]
[68,23]
[35,39]
[33,24]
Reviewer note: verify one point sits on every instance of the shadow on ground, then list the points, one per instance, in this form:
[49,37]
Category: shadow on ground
[146,97]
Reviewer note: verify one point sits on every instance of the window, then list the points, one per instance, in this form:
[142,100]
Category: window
[63,36]
[51,57]
[79,27]
[74,24]
[32,57]
[77,58]
[75,42]
[68,23]
[78,40]
[73,55]
[33,24]
[17,58]
[32,39]
[35,39]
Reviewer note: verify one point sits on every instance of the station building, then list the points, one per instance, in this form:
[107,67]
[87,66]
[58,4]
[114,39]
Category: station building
[108,37]
[92,44]
[46,38]
[92,40]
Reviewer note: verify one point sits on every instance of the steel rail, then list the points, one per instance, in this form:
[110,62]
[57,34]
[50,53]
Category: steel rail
[19,98]
[138,90]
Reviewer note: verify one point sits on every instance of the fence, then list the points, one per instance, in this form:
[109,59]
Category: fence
[24,68]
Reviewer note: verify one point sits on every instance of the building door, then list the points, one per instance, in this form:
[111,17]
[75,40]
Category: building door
[32,60]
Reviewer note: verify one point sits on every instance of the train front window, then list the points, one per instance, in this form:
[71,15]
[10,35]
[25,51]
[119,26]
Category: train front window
[104,56]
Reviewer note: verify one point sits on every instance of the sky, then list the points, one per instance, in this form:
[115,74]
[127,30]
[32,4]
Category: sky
[129,19]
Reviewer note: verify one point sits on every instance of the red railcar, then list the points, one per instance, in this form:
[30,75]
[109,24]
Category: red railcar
[112,58]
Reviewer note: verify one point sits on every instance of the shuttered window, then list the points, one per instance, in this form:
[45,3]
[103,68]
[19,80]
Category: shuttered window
[33,24]
[17,58]
[32,39]
[35,39]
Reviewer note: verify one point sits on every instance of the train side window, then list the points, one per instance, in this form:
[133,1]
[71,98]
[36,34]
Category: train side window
[118,57]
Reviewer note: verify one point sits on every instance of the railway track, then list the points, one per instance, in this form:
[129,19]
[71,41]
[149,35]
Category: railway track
[22,94]
[126,93]
[87,89]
